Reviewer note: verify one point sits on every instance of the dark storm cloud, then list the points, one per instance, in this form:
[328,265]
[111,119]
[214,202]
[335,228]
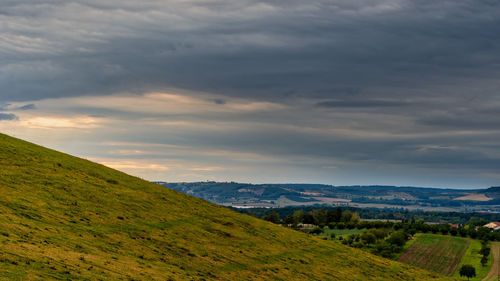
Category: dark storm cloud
[421,152]
[484,118]
[361,103]
[7,106]
[7,117]
[468,153]
[270,50]
[27,107]
[219,101]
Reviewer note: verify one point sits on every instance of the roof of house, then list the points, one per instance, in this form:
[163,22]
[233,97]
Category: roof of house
[492,225]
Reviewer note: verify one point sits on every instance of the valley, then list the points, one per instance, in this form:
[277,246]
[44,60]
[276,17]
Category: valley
[241,195]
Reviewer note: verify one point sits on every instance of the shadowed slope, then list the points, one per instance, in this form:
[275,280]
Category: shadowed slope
[63,217]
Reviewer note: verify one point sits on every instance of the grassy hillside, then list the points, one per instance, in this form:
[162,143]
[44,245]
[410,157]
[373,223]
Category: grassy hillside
[66,218]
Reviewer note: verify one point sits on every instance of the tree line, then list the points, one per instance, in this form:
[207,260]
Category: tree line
[386,214]
[339,218]
[319,217]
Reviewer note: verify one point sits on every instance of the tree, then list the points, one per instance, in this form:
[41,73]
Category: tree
[346,216]
[355,218]
[319,216]
[468,271]
[483,233]
[289,220]
[472,233]
[398,238]
[384,249]
[453,231]
[316,230]
[308,218]
[298,216]
[485,250]
[272,217]
[444,229]
[368,237]
[338,214]
[484,260]
[379,233]
[331,216]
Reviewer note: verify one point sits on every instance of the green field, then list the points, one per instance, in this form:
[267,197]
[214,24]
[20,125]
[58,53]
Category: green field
[473,257]
[439,253]
[66,218]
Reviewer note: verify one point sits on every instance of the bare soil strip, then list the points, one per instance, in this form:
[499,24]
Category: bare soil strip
[493,274]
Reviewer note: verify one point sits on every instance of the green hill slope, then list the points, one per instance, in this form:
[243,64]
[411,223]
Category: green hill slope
[62,217]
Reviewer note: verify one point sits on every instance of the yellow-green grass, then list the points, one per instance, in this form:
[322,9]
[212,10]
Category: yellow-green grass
[473,257]
[439,253]
[66,218]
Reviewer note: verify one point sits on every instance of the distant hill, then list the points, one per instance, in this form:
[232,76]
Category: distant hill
[242,195]
[65,218]
[493,192]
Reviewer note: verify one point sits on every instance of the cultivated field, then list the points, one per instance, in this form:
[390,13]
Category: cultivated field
[439,253]
[473,257]
[474,197]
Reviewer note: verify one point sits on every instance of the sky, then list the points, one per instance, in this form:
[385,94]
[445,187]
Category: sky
[342,92]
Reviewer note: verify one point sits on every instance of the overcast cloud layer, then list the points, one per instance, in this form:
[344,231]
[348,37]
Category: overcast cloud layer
[339,92]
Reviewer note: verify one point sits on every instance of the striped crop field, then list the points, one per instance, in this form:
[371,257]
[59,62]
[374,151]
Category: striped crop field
[438,253]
